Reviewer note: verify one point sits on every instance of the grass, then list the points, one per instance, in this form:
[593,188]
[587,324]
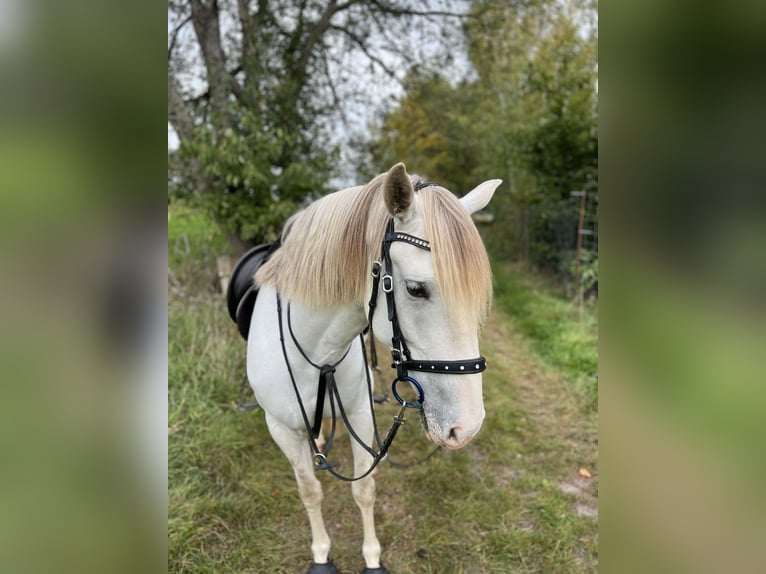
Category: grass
[511,501]
[562,335]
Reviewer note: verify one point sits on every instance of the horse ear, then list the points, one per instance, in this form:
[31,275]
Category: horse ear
[398,192]
[478,198]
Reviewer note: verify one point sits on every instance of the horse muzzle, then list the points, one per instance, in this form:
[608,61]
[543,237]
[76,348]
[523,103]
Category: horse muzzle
[453,436]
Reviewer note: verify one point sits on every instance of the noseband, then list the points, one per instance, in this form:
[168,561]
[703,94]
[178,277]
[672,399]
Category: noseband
[400,353]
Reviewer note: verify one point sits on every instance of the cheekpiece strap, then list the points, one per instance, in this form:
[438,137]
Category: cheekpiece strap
[407,238]
[466,367]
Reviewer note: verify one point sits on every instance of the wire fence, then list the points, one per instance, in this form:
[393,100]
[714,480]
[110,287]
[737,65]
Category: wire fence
[585,278]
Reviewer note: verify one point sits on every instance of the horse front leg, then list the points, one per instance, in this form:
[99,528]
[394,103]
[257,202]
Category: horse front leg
[364,494]
[293,445]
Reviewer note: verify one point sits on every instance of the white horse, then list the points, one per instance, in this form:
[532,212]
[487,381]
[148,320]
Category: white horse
[318,284]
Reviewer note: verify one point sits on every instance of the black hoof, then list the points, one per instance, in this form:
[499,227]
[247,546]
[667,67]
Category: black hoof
[326,568]
[379,570]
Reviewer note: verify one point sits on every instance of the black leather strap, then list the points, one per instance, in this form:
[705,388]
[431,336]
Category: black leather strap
[326,373]
[465,367]
[402,360]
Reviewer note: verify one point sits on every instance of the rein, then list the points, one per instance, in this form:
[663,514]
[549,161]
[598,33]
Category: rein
[327,372]
[400,354]
[326,375]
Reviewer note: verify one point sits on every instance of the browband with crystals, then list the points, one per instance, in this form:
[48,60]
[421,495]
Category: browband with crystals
[407,238]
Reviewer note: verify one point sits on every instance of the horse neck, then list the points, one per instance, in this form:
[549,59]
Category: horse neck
[325,334]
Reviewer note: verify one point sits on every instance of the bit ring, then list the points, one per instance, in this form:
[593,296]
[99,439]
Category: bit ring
[418,388]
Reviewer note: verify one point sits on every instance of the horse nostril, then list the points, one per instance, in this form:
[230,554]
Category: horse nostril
[454,439]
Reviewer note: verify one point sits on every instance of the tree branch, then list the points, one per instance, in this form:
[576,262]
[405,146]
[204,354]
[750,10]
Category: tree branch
[247,23]
[207,27]
[336,99]
[363,47]
[178,114]
[174,35]
[397,11]
[321,26]
[260,16]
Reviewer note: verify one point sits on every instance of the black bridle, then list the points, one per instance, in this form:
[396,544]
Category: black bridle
[400,353]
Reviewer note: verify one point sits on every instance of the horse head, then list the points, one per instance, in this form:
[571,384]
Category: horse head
[441,297]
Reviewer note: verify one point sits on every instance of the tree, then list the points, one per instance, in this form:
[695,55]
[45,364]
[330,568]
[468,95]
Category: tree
[431,131]
[536,61]
[254,87]
[530,118]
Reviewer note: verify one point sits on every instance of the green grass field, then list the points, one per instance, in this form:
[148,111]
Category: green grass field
[511,501]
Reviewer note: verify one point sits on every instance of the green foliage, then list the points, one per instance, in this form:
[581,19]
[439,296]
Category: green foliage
[431,131]
[530,118]
[588,269]
[234,176]
[194,243]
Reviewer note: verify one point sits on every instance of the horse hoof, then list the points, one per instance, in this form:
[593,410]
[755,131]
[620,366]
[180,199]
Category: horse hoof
[379,570]
[326,568]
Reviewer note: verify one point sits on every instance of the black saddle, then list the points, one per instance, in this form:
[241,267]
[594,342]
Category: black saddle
[242,293]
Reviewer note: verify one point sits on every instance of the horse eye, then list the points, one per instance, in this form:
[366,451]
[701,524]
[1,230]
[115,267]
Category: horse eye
[417,289]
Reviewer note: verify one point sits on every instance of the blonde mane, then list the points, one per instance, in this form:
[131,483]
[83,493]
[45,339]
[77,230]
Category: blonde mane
[328,249]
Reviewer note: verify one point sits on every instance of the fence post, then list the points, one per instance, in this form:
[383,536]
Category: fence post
[582,194]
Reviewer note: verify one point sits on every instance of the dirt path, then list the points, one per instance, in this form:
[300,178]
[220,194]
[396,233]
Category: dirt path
[560,427]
